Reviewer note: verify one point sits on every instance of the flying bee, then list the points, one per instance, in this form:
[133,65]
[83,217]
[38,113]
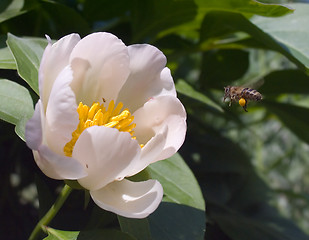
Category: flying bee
[242,95]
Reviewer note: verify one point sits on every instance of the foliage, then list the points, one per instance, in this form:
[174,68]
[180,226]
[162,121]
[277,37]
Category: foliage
[250,168]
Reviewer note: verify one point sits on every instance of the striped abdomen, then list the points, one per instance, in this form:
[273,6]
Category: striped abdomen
[251,94]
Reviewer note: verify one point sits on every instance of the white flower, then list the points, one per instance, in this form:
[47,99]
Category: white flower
[106,111]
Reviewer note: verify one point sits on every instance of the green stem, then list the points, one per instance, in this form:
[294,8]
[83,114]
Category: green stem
[65,192]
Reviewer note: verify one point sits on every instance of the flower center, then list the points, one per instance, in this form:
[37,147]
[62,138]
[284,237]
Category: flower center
[97,115]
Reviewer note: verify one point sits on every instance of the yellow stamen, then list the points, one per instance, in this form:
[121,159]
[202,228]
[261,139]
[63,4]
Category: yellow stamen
[97,115]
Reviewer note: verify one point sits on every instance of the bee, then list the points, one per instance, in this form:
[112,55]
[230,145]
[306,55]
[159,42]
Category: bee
[241,94]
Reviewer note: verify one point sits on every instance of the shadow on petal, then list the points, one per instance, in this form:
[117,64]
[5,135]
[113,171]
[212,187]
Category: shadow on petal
[129,199]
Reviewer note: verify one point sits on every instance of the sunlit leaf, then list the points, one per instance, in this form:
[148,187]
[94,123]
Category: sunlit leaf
[217,23]
[185,89]
[245,6]
[54,234]
[108,234]
[230,6]
[291,31]
[27,53]
[16,105]
[179,183]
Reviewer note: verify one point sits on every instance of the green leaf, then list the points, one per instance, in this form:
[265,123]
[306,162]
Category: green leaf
[27,53]
[294,117]
[285,81]
[106,234]
[173,221]
[54,234]
[10,9]
[229,22]
[153,16]
[179,183]
[245,6]
[6,58]
[16,105]
[229,6]
[291,32]
[139,228]
[185,89]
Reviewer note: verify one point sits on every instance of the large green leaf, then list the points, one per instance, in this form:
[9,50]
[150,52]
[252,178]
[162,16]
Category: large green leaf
[108,234]
[138,228]
[290,31]
[185,89]
[294,117]
[16,105]
[27,53]
[232,6]
[244,6]
[179,183]
[173,221]
[219,23]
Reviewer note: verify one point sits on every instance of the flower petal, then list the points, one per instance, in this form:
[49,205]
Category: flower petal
[55,58]
[149,77]
[107,155]
[61,113]
[105,61]
[157,113]
[129,199]
[33,131]
[56,166]
[150,152]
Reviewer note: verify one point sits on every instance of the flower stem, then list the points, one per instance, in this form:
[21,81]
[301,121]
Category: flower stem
[65,192]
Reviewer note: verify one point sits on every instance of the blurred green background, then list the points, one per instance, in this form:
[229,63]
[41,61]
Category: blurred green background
[252,167]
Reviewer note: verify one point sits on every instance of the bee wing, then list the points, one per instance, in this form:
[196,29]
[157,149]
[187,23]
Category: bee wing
[255,84]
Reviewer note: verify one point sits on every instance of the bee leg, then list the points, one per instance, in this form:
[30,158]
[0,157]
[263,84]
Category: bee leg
[245,106]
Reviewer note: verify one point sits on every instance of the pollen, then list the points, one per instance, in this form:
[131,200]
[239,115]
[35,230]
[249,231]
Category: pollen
[242,102]
[98,115]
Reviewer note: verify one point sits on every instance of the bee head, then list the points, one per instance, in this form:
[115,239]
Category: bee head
[226,92]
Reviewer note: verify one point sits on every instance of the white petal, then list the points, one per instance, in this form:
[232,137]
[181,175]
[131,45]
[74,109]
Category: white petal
[150,152]
[157,113]
[107,155]
[129,199]
[105,62]
[61,113]
[33,131]
[56,166]
[149,77]
[54,59]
